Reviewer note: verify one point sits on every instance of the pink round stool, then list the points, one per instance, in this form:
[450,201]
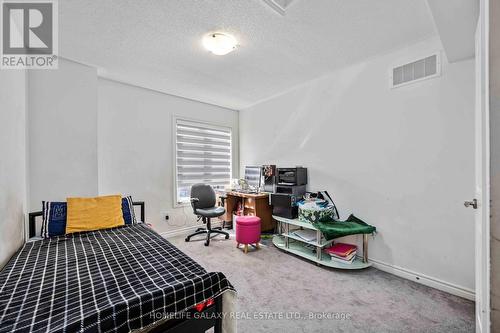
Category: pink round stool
[247,231]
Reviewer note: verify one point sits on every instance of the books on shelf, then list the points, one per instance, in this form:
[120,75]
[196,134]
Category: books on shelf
[342,252]
[348,257]
[343,261]
[307,235]
[341,249]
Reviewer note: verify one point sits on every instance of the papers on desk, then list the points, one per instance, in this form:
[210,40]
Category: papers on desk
[307,235]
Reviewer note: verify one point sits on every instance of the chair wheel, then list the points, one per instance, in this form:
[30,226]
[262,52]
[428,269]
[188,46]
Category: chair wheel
[206,243]
[227,236]
[187,239]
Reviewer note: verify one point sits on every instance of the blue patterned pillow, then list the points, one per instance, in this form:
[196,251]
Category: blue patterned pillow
[128,210]
[53,219]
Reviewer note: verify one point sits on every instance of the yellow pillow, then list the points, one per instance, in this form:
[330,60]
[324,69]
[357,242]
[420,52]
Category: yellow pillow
[86,214]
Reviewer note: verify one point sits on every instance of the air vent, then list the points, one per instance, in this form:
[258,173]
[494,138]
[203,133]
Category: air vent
[419,70]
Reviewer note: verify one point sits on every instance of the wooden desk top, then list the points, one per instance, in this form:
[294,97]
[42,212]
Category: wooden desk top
[248,195]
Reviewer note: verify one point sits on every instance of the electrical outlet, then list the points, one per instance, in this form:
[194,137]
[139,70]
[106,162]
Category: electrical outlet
[165,216]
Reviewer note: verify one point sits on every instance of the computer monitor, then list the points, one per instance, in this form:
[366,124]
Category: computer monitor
[252,176]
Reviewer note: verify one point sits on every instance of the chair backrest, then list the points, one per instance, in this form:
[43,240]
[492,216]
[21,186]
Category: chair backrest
[205,194]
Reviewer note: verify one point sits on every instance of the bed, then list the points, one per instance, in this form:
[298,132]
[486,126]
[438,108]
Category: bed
[112,280]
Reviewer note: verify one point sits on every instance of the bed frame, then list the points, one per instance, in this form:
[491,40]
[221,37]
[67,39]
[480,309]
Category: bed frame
[210,317]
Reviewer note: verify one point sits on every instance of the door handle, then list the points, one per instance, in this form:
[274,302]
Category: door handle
[472,203]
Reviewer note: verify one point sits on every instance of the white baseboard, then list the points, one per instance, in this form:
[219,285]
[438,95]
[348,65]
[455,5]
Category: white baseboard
[187,230]
[425,280]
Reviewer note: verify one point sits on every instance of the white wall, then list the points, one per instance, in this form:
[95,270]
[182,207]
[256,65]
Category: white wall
[12,162]
[401,159]
[63,133]
[136,146]
[92,136]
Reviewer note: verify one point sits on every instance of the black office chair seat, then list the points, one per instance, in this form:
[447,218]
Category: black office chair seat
[203,202]
[211,212]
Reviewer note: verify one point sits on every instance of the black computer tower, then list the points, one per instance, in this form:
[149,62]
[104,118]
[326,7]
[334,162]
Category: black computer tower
[284,205]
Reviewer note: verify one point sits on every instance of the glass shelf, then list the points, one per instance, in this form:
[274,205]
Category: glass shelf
[300,249]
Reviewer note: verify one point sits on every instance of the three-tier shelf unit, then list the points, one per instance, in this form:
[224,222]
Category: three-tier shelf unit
[313,250]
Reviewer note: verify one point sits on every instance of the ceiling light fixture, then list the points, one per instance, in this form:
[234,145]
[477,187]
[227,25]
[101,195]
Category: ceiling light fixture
[219,43]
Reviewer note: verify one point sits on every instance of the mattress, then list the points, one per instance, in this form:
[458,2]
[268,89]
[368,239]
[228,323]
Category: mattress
[112,280]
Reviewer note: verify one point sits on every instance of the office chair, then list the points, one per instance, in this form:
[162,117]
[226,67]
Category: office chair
[203,203]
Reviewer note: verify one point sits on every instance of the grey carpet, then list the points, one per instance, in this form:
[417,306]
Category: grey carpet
[270,281]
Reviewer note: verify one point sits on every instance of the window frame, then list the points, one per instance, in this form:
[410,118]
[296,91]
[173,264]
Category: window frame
[209,125]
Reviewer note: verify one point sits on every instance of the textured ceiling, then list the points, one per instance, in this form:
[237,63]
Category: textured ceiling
[157,44]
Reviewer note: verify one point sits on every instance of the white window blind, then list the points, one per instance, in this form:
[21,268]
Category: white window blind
[203,155]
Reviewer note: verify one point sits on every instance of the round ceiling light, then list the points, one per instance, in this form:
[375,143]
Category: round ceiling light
[219,43]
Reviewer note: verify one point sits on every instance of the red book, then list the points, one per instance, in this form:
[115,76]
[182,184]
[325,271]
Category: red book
[341,249]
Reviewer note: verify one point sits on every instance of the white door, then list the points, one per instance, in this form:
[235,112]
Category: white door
[482,199]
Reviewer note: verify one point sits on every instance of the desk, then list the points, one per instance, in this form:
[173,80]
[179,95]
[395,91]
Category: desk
[256,204]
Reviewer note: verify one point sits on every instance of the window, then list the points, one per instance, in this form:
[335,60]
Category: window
[203,155]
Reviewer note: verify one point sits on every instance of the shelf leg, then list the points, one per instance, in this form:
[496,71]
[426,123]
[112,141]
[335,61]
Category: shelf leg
[287,240]
[365,248]
[318,248]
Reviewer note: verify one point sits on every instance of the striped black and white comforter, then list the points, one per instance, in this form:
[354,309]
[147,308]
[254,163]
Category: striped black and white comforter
[112,280]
